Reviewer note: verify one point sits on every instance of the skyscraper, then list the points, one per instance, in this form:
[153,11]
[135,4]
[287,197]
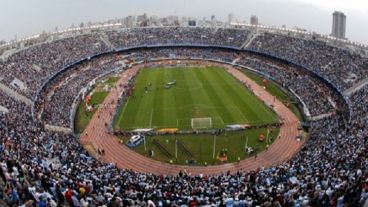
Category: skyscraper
[254,20]
[338,25]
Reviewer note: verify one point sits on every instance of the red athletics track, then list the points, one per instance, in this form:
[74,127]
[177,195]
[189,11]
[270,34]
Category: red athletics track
[96,134]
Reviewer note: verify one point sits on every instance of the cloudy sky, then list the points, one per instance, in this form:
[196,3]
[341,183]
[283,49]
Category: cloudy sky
[27,17]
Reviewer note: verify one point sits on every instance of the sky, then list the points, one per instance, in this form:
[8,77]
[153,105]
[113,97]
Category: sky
[20,18]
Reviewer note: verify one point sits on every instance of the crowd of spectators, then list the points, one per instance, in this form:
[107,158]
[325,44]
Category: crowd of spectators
[43,168]
[46,168]
[65,88]
[178,35]
[34,66]
[360,108]
[341,67]
[27,70]
[311,91]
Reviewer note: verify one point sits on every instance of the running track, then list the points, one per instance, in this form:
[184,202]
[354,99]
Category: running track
[96,134]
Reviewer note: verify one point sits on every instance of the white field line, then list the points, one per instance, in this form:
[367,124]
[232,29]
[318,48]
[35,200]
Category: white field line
[218,118]
[150,123]
[245,118]
[122,113]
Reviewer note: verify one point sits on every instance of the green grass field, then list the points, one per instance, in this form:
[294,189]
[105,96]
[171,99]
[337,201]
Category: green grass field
[274,90]
[82,117]
[202,146]
[198,93]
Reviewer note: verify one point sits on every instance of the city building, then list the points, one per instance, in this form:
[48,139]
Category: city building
[254,20]
[129,21]
[338,25]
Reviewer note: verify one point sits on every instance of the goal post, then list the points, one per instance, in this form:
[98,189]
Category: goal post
[201,123]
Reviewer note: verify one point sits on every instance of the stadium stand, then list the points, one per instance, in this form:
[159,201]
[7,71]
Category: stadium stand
[41,167]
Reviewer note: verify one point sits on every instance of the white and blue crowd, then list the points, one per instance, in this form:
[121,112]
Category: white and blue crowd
[44,168]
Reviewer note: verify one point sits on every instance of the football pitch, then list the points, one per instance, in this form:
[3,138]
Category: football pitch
[172,97]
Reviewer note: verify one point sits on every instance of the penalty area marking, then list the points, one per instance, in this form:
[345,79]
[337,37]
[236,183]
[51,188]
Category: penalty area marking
[218,118]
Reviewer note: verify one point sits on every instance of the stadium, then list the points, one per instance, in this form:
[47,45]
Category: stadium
[255,116]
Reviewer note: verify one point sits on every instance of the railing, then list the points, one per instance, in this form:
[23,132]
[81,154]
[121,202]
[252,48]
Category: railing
[185,150]
[162,149]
